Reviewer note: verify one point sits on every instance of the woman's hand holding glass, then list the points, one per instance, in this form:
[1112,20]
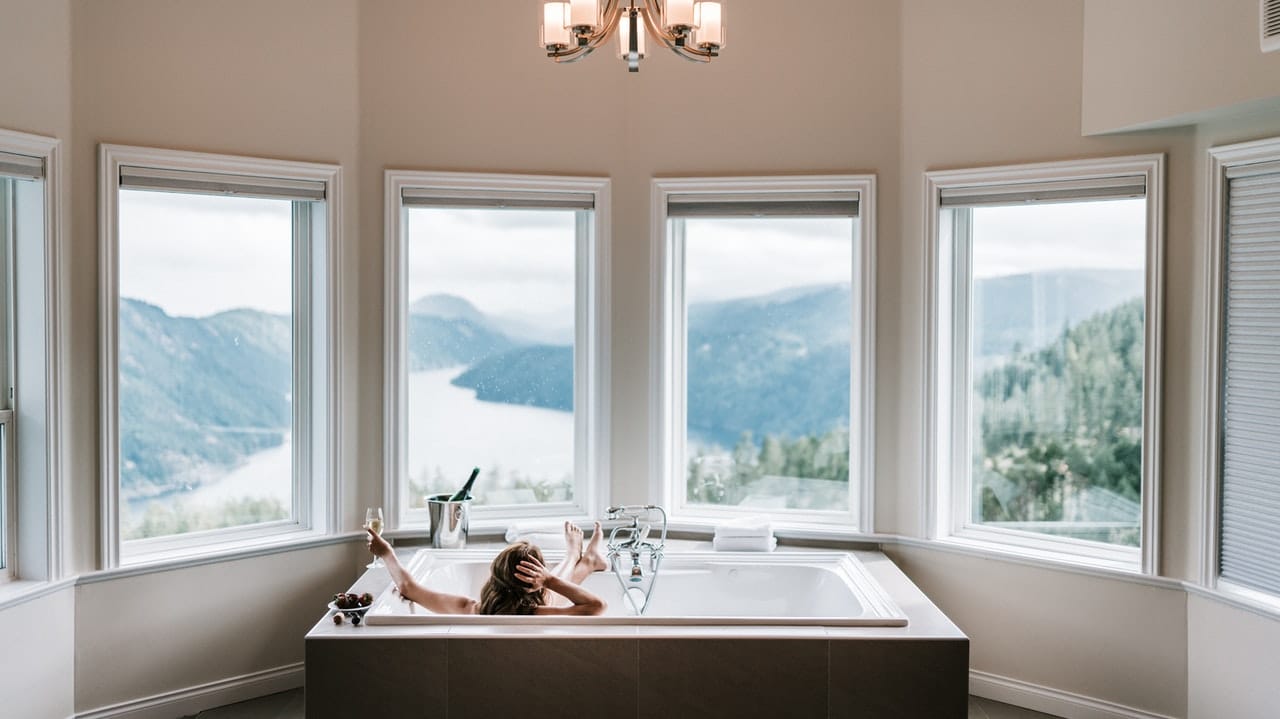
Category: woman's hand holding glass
[373,523]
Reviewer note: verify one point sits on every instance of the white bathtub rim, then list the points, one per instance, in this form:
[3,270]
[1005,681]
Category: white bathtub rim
[884,611]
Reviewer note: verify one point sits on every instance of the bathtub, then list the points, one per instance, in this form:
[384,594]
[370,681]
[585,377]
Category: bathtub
[692,588]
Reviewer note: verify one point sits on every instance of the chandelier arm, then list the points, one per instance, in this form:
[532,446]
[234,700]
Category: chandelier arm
[571,55]
[612,16]
[654,6]
[654,23]
[577,52]
[689,53]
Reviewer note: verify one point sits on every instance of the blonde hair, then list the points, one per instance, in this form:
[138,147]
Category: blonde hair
[505,593]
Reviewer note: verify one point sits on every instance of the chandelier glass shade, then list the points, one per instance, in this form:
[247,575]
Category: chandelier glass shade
[692,29]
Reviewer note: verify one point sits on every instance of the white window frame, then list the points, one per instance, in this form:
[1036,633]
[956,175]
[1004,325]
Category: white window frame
[35,502]
[1221,160]
[945,511]
[667,365]
[316,509]
[8,467]
[591,344]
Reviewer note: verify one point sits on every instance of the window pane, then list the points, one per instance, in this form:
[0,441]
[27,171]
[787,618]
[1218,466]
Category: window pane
[768,343]
[1055,365]
[205,362]
[490,348]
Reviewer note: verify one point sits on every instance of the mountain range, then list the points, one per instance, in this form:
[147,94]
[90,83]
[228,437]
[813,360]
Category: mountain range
[198,395]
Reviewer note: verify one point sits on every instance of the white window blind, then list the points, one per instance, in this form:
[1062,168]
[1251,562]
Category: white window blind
[504,200]
[773,204]
[1019,193]
[1250,427]
[217,183]
[23,166]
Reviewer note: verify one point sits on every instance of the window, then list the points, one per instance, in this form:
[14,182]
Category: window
[765,317]
[1045,282]
[1242,492]
[217,350]
[29,240]
[496,339]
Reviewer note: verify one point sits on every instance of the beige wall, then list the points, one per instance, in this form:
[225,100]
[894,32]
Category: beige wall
[1232,662]
[154,633]
[890,88]
[1104,638]
[1165,62]
[39,645]
[35,77]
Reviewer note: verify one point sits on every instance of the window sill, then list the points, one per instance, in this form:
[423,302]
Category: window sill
[1243,598]
[782,529]
[212,553]
[21,591]
[1054,561]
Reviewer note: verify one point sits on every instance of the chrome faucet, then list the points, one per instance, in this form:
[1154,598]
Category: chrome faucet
[631,541]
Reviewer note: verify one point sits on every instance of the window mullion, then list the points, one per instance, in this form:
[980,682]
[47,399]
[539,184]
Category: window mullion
[302,382]
[679,319]
[962,378]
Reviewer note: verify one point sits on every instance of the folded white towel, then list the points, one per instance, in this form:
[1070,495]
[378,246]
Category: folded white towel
[745,544]
[753,527]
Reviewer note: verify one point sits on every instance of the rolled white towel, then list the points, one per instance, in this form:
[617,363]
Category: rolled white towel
[745,544]
[519,530]
[544,540]
[543,534]
[745,527]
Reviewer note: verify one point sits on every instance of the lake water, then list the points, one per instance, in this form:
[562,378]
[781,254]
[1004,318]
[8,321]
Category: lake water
[450,431]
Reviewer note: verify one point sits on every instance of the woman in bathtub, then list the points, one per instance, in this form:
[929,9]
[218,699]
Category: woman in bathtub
[519,582]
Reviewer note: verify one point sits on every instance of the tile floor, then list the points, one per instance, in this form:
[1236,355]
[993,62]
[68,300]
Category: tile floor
[288,705]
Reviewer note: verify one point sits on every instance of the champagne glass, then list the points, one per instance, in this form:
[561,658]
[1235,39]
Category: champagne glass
[373,522]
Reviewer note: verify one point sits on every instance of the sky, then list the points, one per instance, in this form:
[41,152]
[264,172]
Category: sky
[1072,235]
[510,263]
[745,257]
[196,255]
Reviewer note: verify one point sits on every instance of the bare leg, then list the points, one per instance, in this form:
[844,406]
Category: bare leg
[593,559]
[566,569]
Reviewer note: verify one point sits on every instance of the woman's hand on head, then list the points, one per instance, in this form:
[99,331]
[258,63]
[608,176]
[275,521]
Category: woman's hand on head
[533,572]
[377,544]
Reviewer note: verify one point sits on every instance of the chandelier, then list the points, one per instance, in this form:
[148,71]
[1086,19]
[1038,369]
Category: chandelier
[691,29]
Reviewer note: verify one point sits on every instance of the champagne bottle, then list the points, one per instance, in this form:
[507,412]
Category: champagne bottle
[465,492]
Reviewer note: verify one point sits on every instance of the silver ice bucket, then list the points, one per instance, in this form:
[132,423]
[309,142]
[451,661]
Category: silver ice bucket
[449,521]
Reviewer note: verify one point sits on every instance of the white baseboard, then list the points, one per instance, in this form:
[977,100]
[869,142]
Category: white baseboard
[193,700]
[1049,700]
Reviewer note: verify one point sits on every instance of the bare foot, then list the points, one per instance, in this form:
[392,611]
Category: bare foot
[593,556]
[572,540]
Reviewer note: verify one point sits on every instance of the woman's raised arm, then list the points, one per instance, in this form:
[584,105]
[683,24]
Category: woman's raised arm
[438,602]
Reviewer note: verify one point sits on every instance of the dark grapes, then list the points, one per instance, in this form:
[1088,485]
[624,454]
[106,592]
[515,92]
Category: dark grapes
[355,618]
